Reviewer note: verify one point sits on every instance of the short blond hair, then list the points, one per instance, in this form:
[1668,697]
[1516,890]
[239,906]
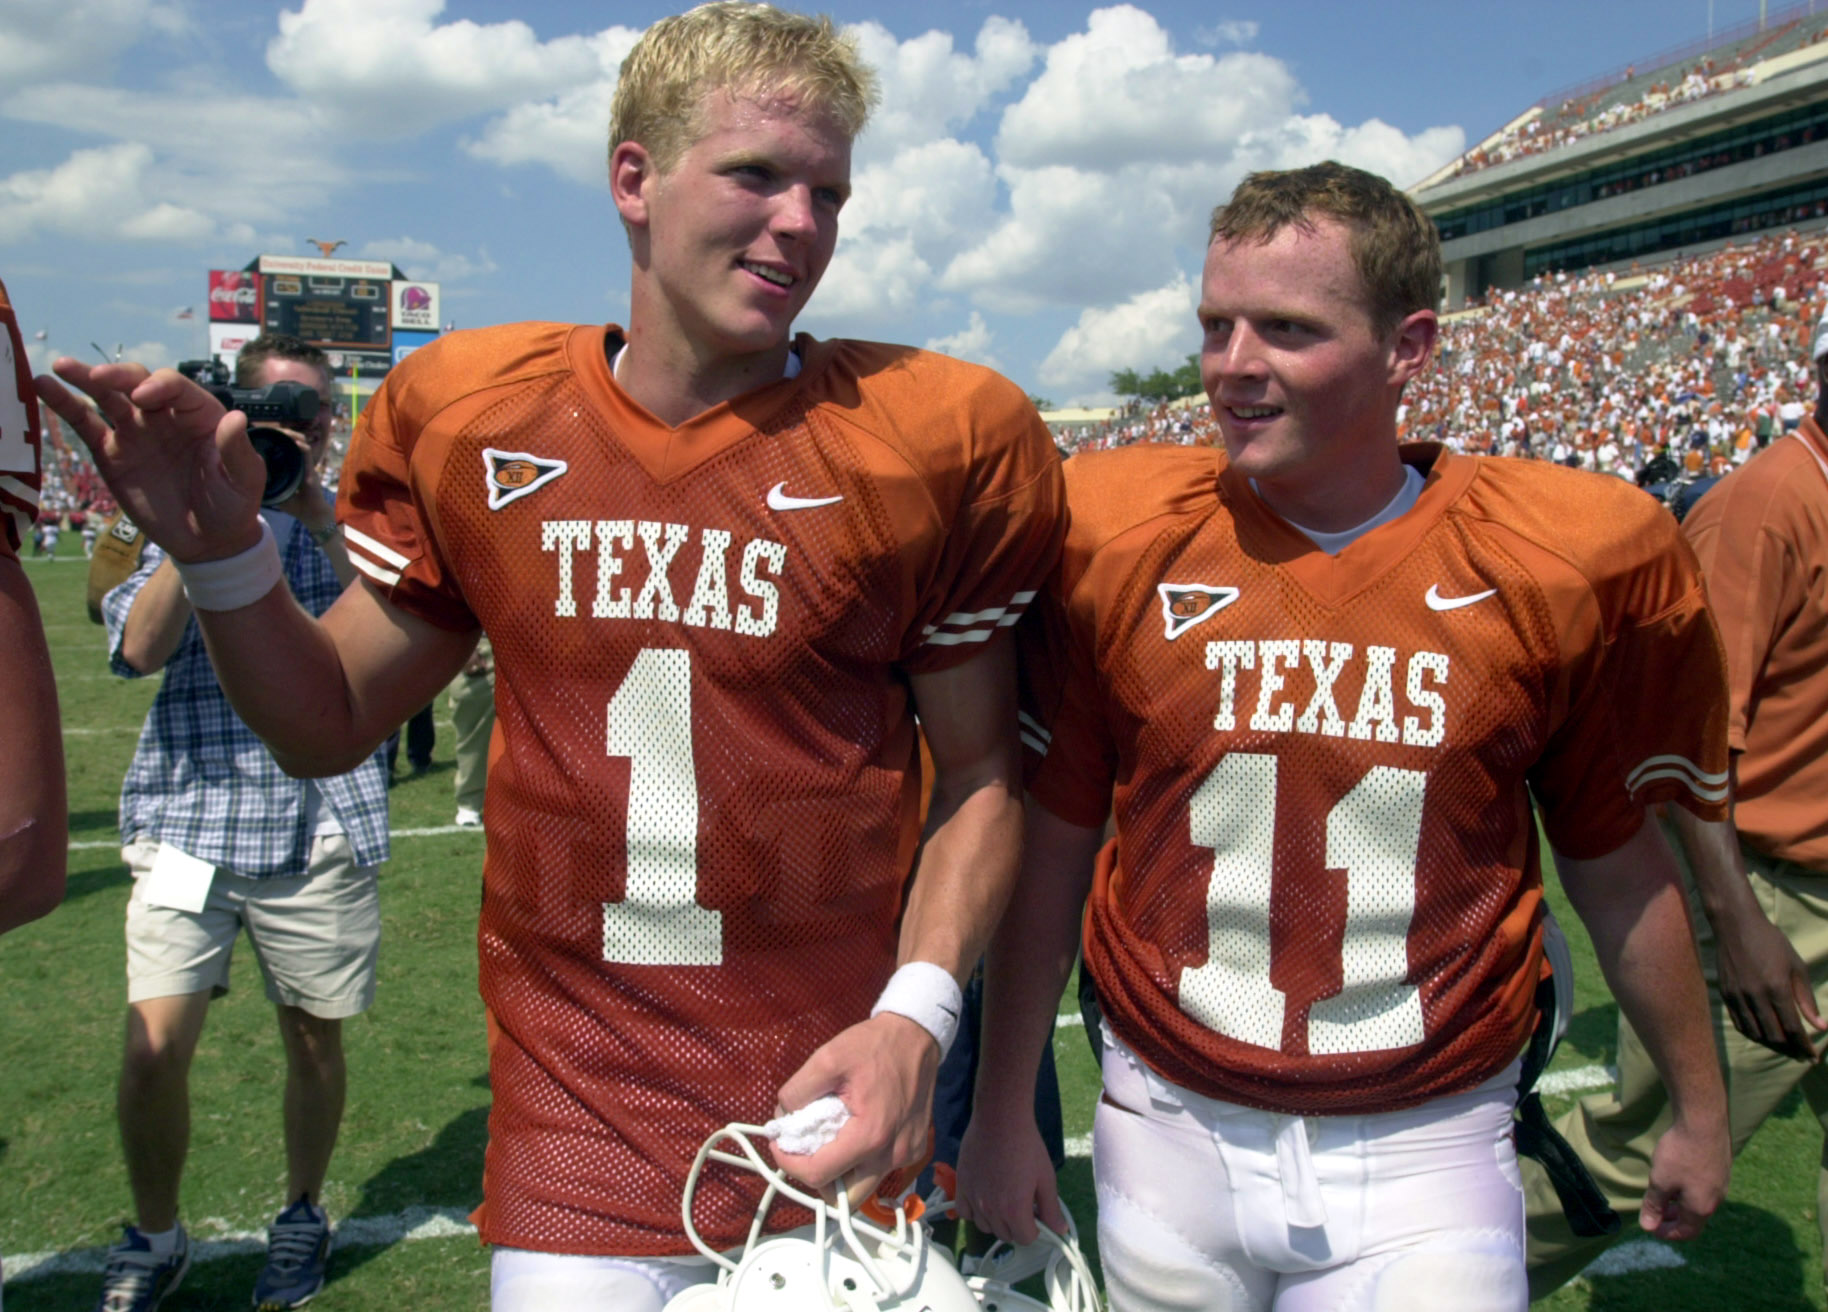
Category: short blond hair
[745,49]
[1395,246]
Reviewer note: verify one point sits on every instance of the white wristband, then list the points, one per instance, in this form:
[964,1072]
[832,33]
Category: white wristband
[927,995]
[234,581]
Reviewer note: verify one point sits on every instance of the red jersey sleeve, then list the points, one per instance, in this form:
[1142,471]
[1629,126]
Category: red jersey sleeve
[388,498]
[19,433]
[1006,526]
[1647,697]
[1069,761]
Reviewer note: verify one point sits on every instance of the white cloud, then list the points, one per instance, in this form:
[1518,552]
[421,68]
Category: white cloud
[239,160]
[385,68]
[154,355]
[1117,94]
[870,284]
[1075,237]
[1116,152]
[929,88]
[940,195]
[421,259]
[972,342]
[1154,329]
[107,193]
[1227,32]
[45,39]
[568,133]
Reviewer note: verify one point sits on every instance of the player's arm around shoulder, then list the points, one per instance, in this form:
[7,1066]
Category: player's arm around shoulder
[34,832]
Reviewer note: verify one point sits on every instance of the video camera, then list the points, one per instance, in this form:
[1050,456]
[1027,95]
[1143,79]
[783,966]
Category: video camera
[275,413]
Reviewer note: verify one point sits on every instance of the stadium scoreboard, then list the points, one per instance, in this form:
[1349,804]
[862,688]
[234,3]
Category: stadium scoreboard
[365,314]
[333,312]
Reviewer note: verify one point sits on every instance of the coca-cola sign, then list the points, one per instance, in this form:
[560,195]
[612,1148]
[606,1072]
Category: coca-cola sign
[234,296]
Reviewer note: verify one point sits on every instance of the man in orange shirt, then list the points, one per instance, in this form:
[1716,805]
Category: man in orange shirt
[1324,683]
[721,567]
[1758,879]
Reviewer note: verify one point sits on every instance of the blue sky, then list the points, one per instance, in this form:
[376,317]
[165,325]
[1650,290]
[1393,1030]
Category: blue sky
[1032,195]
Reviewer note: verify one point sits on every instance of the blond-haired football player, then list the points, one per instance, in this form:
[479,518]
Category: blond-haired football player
[721,567]
[1326,682]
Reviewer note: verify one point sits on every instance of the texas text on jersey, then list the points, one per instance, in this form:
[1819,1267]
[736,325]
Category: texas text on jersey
[1324,894]
[702,795]
[19,433]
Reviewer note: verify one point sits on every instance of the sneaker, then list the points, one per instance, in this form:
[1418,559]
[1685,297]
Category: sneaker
[468,817]
[298,1253]
[136,1279]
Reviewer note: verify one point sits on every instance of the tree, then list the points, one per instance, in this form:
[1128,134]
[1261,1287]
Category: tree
[1160,384]
[1041,403]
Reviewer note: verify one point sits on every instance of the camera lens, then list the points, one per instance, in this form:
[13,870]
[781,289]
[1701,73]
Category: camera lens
[284,459]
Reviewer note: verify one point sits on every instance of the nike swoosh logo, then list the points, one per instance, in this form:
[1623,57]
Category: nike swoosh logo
[1437,602]
[779,500]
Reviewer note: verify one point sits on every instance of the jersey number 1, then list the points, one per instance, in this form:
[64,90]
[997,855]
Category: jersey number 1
[658,922]
[1372,833]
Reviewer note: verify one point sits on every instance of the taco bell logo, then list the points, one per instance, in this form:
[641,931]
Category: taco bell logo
[415,306]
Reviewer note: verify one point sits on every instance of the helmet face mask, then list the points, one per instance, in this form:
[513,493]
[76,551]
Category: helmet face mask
[879,1259]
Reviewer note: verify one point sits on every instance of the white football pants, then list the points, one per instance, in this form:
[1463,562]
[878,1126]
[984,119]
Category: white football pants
[524,1281]
[1206,1206]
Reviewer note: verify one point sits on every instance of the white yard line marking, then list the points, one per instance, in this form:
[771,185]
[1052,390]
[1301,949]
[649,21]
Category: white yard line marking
[1578,1080]
[413,1224]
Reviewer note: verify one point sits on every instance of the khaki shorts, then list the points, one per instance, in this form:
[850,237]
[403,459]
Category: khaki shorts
[316,936]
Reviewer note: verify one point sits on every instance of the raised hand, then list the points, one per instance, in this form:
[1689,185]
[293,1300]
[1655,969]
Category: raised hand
[179,465]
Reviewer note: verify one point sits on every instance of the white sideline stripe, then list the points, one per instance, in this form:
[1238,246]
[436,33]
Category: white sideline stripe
[433,831]
[1578,1080]
[413,1224]
[1638,1255]
[1079,1146]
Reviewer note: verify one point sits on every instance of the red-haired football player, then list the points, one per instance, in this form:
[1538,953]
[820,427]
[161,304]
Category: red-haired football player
[1328,683]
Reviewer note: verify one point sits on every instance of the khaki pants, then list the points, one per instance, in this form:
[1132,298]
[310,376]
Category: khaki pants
[473,713]
[1614,1132]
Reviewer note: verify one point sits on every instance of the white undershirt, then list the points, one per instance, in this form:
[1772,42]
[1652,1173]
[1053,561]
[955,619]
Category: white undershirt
[1400,504]
[791,371]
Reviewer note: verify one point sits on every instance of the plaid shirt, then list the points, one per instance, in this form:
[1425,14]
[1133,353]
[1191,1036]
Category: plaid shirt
[200,779]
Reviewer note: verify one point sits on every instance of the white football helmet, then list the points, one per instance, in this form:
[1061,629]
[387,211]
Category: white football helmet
[879,1259]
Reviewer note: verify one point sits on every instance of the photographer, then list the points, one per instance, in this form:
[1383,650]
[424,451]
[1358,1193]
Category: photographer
[218,837]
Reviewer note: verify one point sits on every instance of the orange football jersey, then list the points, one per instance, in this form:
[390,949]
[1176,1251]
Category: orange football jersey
[703,792]
[19,433]
[1324,896]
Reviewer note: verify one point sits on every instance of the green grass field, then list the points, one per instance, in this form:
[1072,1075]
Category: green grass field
[409,1163]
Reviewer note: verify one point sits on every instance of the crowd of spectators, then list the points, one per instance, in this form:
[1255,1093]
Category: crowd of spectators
[1542,133]
[1698,362]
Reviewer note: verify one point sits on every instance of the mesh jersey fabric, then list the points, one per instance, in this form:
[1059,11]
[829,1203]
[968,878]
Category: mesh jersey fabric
[19,434]
[1762,539]
[703,790]
[1323,897]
